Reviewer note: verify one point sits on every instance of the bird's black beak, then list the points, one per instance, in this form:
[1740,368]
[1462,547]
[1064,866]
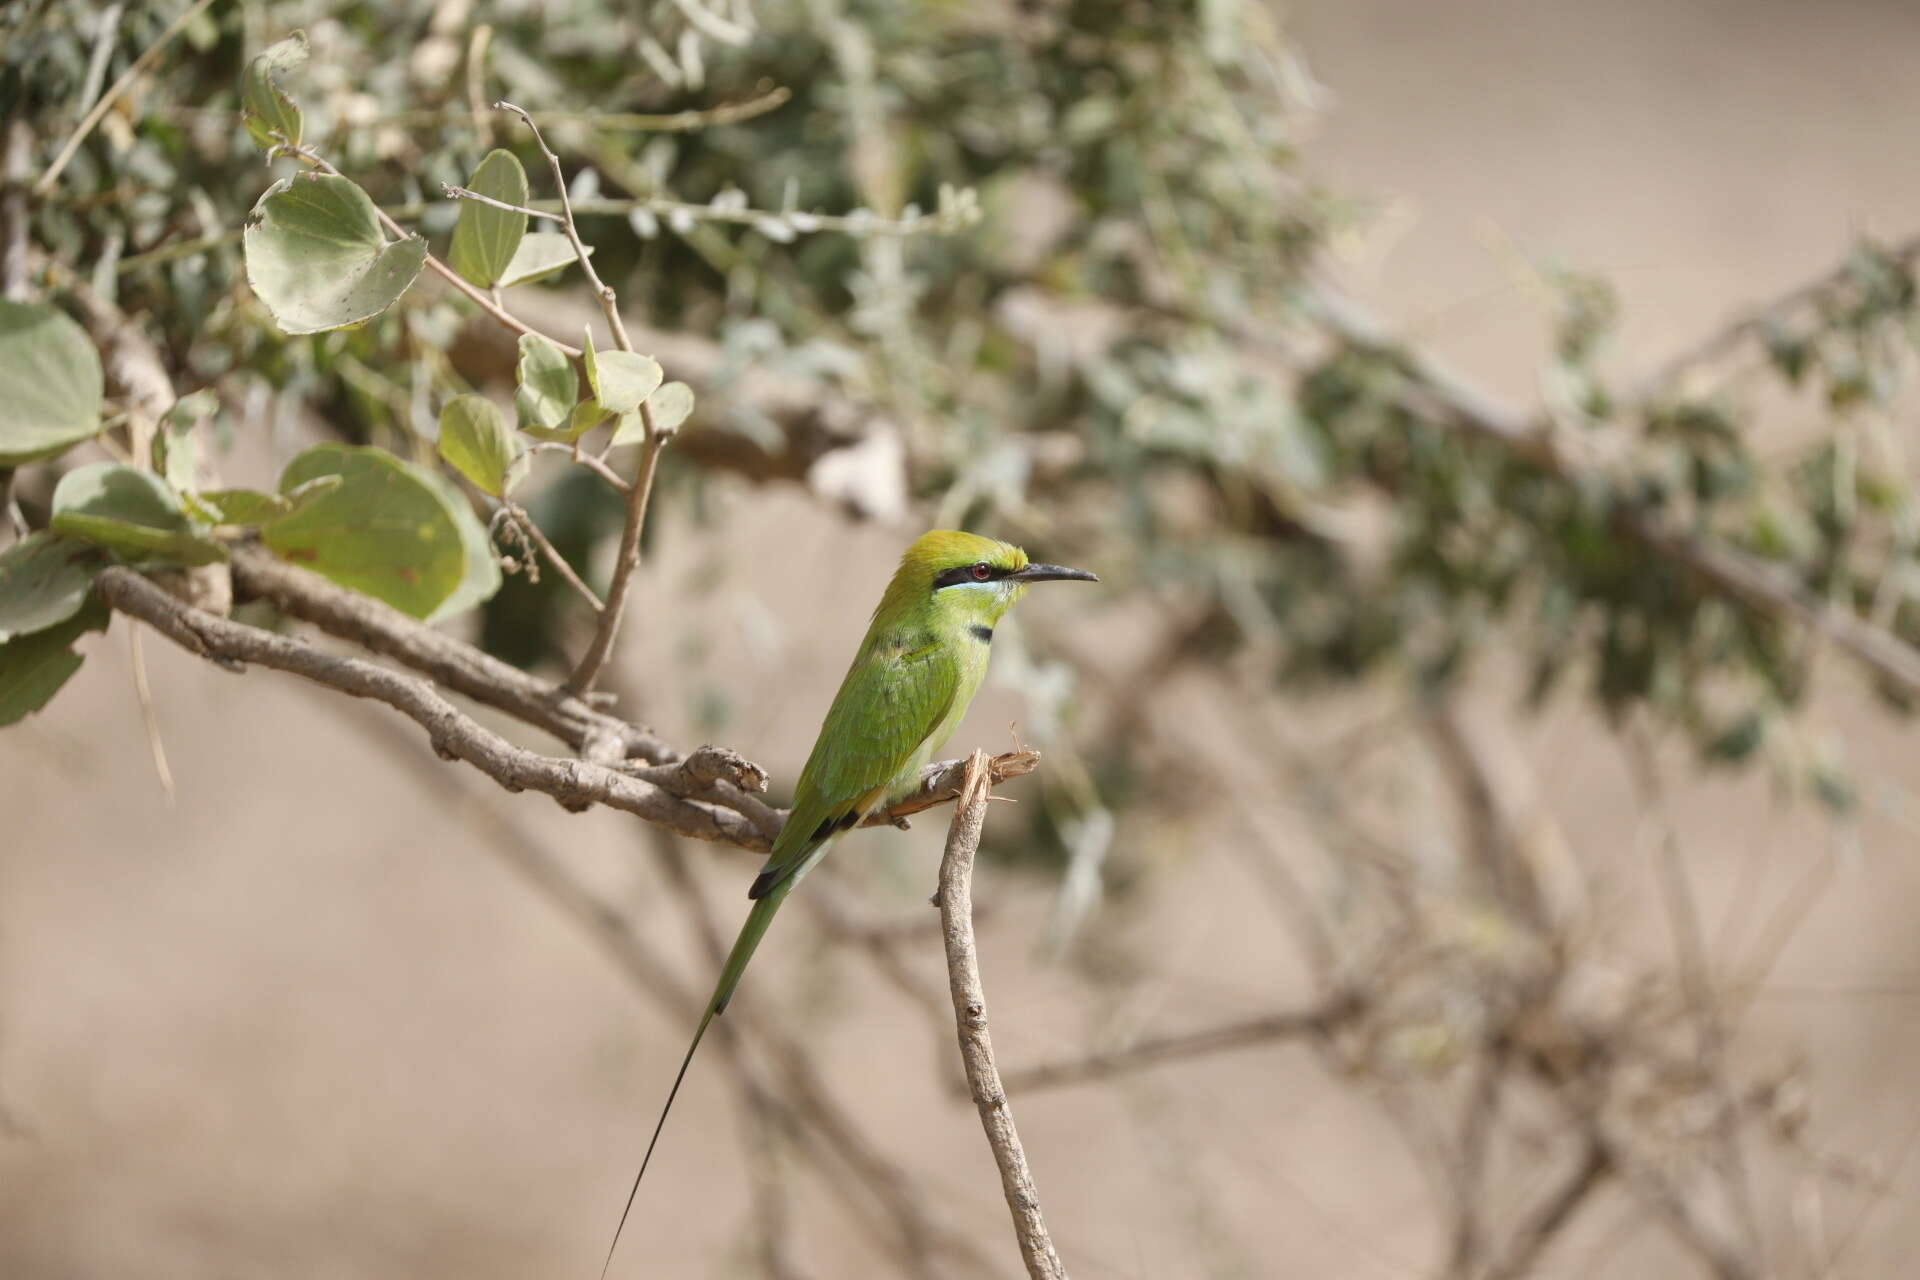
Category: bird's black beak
[1050,573]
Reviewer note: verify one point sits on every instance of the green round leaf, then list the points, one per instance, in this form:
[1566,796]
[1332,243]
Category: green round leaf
[620,379]
[383,529]
[541,254]
[33,667]
[476,441]
[245,506]
[316,256]
[669,407]
[176,447]
[43,581]
[485,239]
[548,388]
[130,513]
[482,576]
[264,105]
[49,383]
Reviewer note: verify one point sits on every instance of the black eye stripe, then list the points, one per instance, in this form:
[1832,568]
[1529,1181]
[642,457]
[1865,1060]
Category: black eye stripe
[964,573]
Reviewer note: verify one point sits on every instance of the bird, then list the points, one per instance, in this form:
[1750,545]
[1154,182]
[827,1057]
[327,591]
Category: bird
[923,658]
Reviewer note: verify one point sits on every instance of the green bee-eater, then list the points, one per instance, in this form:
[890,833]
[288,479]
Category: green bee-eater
[908,688]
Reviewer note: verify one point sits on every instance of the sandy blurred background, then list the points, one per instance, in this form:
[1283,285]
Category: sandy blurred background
[250,1036]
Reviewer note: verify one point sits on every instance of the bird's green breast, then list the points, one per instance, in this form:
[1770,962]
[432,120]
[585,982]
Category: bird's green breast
[969,654]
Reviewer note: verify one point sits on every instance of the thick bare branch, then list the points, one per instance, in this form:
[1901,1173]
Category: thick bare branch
[970,1020]
[576,784]
[943,780]
[709,794]
[298,593]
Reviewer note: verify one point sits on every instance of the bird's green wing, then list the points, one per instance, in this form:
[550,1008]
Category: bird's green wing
[891,701]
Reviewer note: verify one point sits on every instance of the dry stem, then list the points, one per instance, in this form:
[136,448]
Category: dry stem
[970,1021]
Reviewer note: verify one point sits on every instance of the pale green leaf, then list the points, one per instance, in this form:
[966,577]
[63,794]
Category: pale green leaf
[130,513]
[316,256]
[620,379]
[245,506]
[176,445]
[264,105]
[547,388]
[50,383]
[383,529]
[482,575]
[485,239]
[541,254]
[33,667]
[669,407]
[43,581]
[477,442]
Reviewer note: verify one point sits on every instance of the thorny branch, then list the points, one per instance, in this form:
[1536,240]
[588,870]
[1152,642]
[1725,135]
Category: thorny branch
[955,900]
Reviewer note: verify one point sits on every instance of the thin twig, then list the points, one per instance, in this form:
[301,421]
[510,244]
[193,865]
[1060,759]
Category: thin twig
[970,1022]
[586,460]
[1266,1029]
[107,99]
[772,1208]
[683,121]
[148,716]
[1549,1217]
[526,526]
[1696,980]
[609,302]
[626,560]
[1761,319]
[108,29]
[452,192]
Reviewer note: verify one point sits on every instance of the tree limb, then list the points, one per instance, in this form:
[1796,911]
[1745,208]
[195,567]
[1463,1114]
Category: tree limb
[1290,1025]
[1435,395]
[299,593]
[970,1020]
[709,794]
[576,784]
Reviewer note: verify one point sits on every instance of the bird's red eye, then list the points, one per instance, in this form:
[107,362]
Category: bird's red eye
[981,572]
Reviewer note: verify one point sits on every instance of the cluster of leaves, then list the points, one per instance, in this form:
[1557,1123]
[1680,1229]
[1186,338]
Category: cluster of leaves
[319,260]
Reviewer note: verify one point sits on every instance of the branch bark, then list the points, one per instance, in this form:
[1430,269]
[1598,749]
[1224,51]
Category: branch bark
[299,593]
[709,794]
[970,1020]
[576,784]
